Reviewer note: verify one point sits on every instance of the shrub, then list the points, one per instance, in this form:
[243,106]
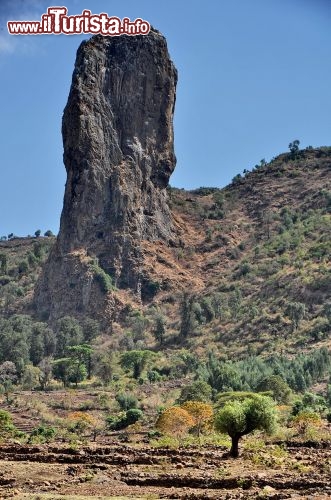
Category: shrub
[130,417]
[174,421]
[126,401]
[7,428]
[42,434]
[104,280]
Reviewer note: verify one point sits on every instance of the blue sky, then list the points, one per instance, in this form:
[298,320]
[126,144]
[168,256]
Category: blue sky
[253,76]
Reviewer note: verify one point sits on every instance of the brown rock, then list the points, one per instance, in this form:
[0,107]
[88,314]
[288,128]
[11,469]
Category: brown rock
[118,152]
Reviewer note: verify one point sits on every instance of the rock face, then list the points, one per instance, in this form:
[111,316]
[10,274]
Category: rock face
[119,154]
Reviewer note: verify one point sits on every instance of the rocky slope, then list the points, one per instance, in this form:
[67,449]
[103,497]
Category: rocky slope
[118,152]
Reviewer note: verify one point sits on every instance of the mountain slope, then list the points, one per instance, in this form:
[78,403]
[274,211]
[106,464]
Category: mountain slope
[250,267]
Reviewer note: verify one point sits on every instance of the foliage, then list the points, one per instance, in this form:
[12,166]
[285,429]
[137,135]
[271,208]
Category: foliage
[304,419]
[294,147]
[105,281]
[8,376]
[188,321]
[31,377]
[159,330]
[175,421]
[7,428]
[125,419]
[126,401]
[80,422]
[240,418]
[202,414]
[277,385]
[42,434]
[197,391]
[136,360]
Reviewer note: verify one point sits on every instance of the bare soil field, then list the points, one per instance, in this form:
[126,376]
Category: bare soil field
[123,472]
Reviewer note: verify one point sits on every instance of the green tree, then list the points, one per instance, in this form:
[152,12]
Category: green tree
[30,377]
[238,418]
[37,233]
[296,312]
[69,333]
[275,383]
[91,329]
[80,356]
[8,377]
[187,316]
[48,233]
[7,428]
[197,391]
[136,360]
[46,372]
[159,329]
[103,366]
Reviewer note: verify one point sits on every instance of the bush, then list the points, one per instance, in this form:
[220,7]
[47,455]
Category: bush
[42,434]
[126,401]
[104,280]
[7,428]
[130,417]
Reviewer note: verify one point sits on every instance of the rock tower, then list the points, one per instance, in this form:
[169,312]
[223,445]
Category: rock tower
[119,154]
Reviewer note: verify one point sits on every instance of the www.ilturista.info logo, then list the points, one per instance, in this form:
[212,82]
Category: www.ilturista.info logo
[57,22]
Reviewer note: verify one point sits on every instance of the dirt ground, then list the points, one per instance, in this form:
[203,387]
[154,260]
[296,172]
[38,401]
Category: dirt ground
[119,471]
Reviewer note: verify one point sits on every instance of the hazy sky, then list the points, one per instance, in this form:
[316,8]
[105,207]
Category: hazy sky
[253,76]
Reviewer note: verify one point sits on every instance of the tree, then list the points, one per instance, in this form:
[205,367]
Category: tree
[81,422]
[159,329]
[197,391]
[296,312]
[202,414]
[103,368]
[130,417]
[238,418]
[188,321]
[69,333]
[48,233]
[46,372]
[280,389]
[304,419]
[80,356]
[30,377]
[136,360]
[294,147]
[91,329]
[175,421]
[37,233]
[8,377]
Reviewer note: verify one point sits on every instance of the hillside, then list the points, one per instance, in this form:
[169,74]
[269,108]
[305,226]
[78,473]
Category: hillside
[252,261]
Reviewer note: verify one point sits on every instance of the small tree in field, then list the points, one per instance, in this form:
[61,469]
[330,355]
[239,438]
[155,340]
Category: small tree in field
[175,421]
[239,418]
[202,414]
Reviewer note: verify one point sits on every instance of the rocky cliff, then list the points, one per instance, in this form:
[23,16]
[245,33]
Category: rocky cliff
[119,154]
